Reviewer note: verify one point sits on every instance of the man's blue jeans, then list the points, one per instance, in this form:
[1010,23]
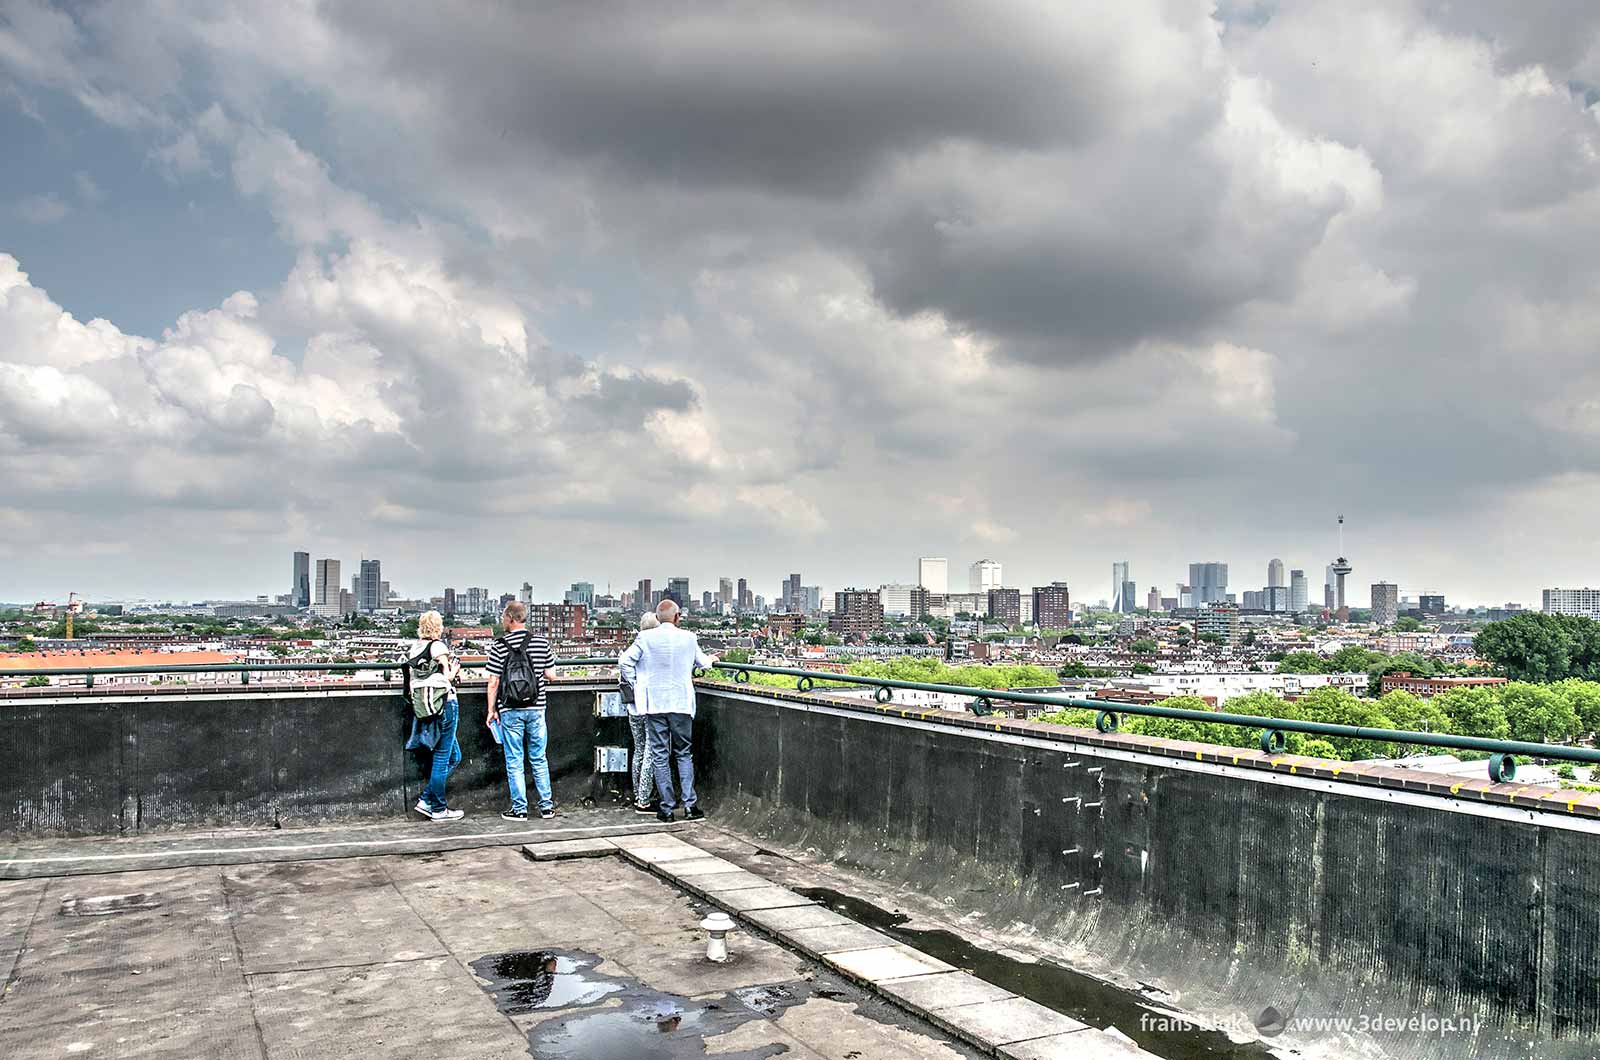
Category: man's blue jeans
[446,756]
[671,737]
[524,734]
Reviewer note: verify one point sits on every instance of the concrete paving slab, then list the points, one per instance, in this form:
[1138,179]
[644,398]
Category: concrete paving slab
[676,963]
[281,932]
[429,1008]
[701,866]
[886,962]
[834,1030]
[19,902]
[570,848]
[744,900]
[1087,1044]
[1014,1019]
[943,990]
[653,838]
[791,917]
[718,882]
[837,938]
[656,855]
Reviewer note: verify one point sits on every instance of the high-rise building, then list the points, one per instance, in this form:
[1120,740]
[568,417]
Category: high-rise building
[369,592]
[933,574]
[1185,596]
[706,600]
[1341,569]
[1052,606]
[1276,598]
[1152,601]
[1254,600]
[1430,603]
[526,594]
[579,593]
[450,601]
[564,621]
[1220,619]
[1585,602]
[1299,598]
[856,613]
[300,587]
[1119,578]
[1208,582]
[746,601]
[1274,573]
[325,602]
[811,598]
[1385,603]
[725,592]
[1005,605]
[793,598]
[897,600]
[983,576]
[641,595]
[678,589]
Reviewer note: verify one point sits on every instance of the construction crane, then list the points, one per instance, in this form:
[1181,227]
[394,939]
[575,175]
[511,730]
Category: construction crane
[74,605]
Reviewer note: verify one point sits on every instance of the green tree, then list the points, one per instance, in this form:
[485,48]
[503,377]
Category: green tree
[1413,713]
[1301,662]
[36,681]
[1584,698]
[26,644]
[1537,713]
[1335,706]
[1538,647]
[1317,747]
[1474,712]
[1353,659]
[1140,668]
[1143,646]
[408,628]
[1406,624]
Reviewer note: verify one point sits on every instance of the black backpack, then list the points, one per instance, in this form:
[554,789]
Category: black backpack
[519,685]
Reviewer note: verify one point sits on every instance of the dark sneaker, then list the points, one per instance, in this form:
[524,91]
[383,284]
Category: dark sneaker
[695,813]
[547,812]
[663,815]
[514,815]
[637,808]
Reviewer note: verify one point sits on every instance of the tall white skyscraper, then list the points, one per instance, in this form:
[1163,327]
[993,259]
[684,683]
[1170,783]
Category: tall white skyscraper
[933,574]
[1299,592]
[1209,582]
[984,575]
[1274,573]
[325,602]
[1119,578]
[369,586]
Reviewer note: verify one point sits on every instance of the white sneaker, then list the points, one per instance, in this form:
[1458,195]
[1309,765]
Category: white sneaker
[448,815]
[422,808]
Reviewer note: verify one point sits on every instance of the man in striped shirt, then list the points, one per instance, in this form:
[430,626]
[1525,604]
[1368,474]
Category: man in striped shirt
[522,728]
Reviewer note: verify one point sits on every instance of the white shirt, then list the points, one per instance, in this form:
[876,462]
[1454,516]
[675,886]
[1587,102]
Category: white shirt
[660,664]
[440,652]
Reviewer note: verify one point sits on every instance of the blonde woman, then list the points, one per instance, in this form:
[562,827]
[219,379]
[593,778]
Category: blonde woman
[432,671]
[643,763]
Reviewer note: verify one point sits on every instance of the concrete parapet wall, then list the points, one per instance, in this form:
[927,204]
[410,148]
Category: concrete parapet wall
[1230,888]
[124,761]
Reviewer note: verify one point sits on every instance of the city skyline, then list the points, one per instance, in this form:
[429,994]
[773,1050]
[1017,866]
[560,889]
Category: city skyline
[675,294]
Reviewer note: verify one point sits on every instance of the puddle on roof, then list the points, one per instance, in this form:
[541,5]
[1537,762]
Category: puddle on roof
[1055,986]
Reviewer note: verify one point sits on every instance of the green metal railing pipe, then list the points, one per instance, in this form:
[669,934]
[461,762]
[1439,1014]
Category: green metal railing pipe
[1502,765]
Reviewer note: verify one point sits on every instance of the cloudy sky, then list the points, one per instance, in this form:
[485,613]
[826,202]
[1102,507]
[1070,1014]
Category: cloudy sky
[614,290]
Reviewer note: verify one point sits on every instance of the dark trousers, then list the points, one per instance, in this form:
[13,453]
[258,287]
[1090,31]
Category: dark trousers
[671,738]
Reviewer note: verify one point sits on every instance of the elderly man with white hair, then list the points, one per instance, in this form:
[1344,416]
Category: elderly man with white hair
[660,665]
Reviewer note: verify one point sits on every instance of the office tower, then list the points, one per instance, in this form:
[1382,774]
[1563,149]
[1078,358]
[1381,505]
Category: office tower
[1005,605]
[1299,598]
[705,600]
[897,600]
[1052,606]
[1431,603]
[641,595]
[300,587]
[1152,601]
[370,590]
[1119,578]
[856,613]
[811,598]
[1274,573]
[1254,600]
[526,595]
[678,589]
[1185,596]
[1385,603]
[725,592]
[1585,602]
[579,593]
[1276,598]
[1341,569]
[793,600]
[933,574]
[1209,583]
[325,602]
[1220,619]
[983,576]
[449,601]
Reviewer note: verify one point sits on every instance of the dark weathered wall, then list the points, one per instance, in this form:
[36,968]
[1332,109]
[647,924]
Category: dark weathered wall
[118,764]
[1230,894]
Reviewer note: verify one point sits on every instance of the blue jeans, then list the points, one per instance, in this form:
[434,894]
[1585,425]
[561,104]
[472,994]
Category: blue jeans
[670,744]
[643,759]
[446,756]
[524,733]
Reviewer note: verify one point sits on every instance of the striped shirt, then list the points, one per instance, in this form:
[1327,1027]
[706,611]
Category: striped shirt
[538,654]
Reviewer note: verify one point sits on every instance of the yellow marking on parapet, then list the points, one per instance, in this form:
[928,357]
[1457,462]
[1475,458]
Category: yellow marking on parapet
[1337,771]
[1197,756]
[1455,788]
[1293,768]
[1570,804]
